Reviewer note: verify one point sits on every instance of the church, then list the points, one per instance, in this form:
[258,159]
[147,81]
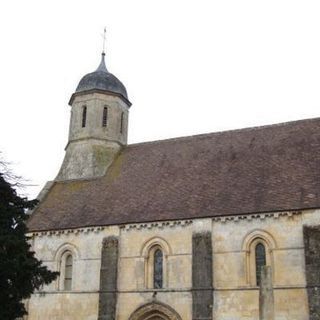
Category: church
[219,226]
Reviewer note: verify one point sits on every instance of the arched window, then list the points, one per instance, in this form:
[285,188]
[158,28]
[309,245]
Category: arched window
[155,310]
[258,247]
[84,116]
[121,122]
[260,259]
[66,258]
[105,117]
[155,252]
[68,272]
[158,269]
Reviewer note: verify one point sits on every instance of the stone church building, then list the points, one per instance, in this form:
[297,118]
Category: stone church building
[221,226]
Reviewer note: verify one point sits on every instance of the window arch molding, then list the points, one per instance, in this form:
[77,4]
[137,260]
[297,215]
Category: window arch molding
[149,248]
[156,310]
[60,258]
[153,242]
[250,242]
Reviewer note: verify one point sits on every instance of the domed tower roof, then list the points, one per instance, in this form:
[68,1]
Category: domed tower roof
[101,80]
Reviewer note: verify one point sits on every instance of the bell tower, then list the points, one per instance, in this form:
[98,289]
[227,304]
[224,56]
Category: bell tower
[98,125]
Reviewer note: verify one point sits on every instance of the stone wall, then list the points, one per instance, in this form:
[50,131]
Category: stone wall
[134,286]
[235,296]
[91,149]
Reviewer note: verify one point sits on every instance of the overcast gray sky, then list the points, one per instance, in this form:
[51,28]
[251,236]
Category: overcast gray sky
[189,67]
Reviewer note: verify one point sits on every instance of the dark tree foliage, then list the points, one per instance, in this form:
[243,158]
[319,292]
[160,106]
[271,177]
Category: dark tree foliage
[20,272]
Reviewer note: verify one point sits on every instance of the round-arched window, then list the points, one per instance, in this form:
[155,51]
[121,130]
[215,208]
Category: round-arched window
[68,272]
[158,269]
[260,253]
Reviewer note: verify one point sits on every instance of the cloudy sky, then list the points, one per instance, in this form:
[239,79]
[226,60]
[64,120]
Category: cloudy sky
[190,67]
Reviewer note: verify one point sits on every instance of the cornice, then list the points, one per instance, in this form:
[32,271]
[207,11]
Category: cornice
[167,224]
[254,216]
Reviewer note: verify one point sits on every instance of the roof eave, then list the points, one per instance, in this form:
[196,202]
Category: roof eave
[81,93]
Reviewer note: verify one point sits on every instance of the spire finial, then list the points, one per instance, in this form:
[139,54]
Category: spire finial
[104,40]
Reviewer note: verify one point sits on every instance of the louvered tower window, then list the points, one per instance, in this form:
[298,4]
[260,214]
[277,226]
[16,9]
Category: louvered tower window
[121,122]
[105,117]
[84,116]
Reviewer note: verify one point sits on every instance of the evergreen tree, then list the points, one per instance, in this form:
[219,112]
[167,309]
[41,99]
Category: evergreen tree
[20,272]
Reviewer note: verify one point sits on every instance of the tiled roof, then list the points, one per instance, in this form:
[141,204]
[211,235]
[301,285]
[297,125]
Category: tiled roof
[263,169]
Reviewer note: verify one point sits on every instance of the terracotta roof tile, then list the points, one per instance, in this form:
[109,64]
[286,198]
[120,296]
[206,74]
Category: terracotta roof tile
[263,169]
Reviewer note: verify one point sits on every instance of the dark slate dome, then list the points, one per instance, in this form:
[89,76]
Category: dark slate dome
[102,79]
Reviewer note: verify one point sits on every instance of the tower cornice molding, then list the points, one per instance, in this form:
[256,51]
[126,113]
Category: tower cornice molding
[82,93]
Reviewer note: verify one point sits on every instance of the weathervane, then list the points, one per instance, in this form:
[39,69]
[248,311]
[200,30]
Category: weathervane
[104,40]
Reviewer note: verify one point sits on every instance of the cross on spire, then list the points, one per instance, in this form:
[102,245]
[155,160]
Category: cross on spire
[102,66]
[104,40]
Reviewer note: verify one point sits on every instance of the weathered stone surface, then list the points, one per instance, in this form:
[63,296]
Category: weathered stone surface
[91,149]
[312,259]
[266,298]
[108,279]
[202,298]
[234,296]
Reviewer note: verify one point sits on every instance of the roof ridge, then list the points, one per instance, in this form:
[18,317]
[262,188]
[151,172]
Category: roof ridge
[189,137]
